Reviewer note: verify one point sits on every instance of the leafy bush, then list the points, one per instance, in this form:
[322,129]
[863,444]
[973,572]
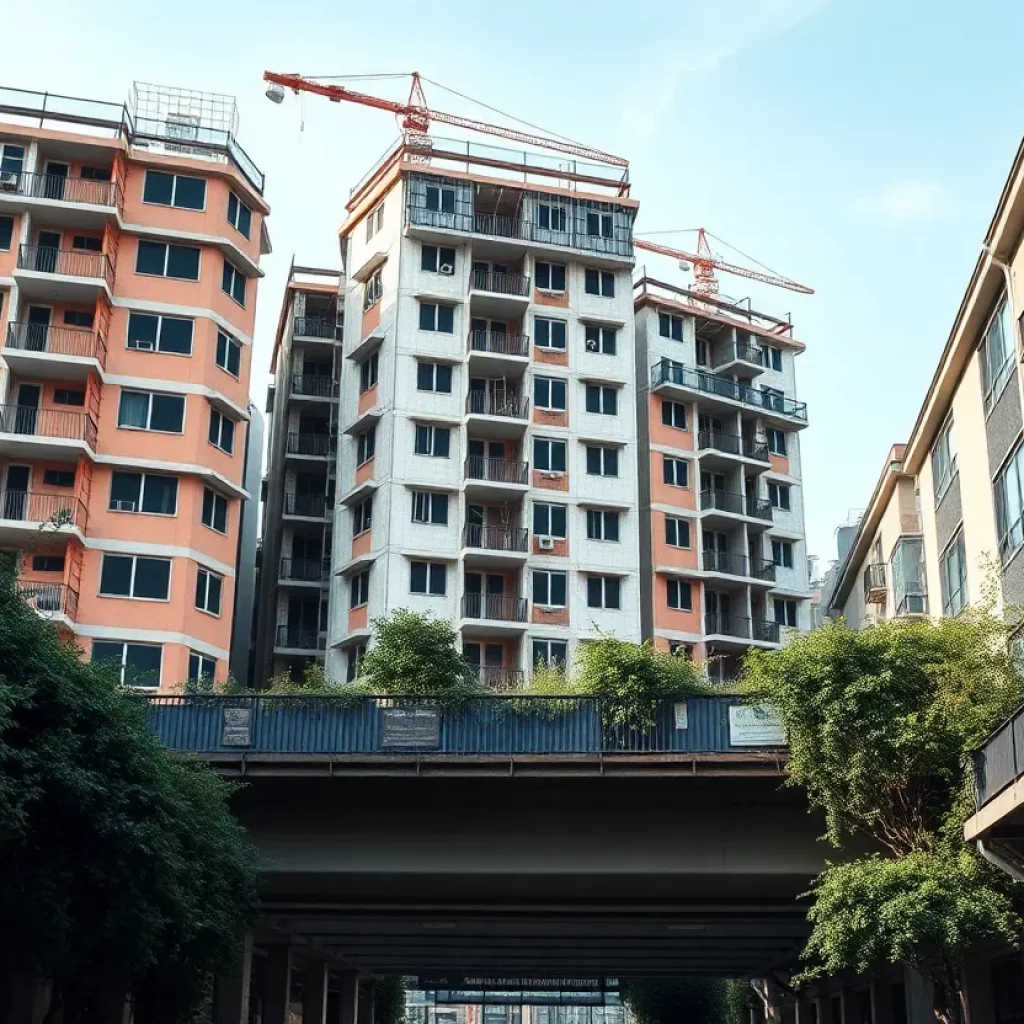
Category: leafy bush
[687,1001]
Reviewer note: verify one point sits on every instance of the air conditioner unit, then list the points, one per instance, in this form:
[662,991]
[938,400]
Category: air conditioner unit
[593,345]
[8,181]
[144,345]
[119,505]
[546,543]
[446,268]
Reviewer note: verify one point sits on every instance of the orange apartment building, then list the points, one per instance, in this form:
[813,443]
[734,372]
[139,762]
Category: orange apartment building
[130,241]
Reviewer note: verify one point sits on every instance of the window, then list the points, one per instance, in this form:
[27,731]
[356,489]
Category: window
[675,471]
[12,159]
[135,664]
[599,224]
[673,414]
[434,317]
[785,612]
[146,410]
[548,455]
[373,289]
[599,282]
[953,576]
[215,510]
[550,653]
[6,232]
[434,377]
[549,588]
[135,576]
[603,591]
[143,492]
[549,520]
[437,259]
[677,532]
[374,221]
[232,282]
[435,441]
[159,259]
[354,662]
[602,525]
[782,553]
[47,563]
[222,431]
[68,396]
[549,393]
[95,174]
[201,669]
[600,340]
[602,461]
[440,198]
[550,277]
[778,496]
[162,189]
[368,372]
[548,333]
[88,243]
[148,332]
[428,578]
[366,445]
[551,217]
[239,215]
[602,399]
[362,516]
[776,441]
[772,358]
[670,326]
[429,507]
[996,354]
[359,590]
[208,589]
[944,460]
[229,354]
[679,596]
[76,317]
[1009,492]
[59,477]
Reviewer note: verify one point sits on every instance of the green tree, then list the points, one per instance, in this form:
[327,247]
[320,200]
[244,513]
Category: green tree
[389,1000]
[686,1001]
[880,723]
[121,868]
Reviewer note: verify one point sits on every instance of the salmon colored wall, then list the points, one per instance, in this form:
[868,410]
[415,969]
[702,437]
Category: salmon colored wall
[364,472]
[668,494]
[368,399]
[553,357]
[551,617]
[371,319]
[671,437]
[779,464]
[559,299]
[550,483]
[9,257]
[669,618]
[357,617]
[362,543]
[550,418]
[667,554]
[509,648]
[561,548]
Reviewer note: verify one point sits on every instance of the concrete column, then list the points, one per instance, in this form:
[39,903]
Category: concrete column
[978,994]
[314,1000]
[919,998]
[348,998]
[279,985]
[367,1002]
[29,1000]
[231,988]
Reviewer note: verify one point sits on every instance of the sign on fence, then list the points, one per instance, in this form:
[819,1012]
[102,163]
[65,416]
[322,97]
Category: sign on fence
[237,728]
[755,725]
[410,727]
[682,715]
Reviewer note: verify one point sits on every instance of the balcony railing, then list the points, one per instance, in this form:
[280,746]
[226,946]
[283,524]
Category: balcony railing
[494,606]
[311,444]
[500,679]
[495,538]
[315,327]
[737,504]
[762,569]
[500,471]
[58,341]
[760,508]
[306,570]
[65,262]
[726,625]
[313,506]
[767,631]
[33,507]
[497,403]
[49,599]
[62,189]
[72,426]
[740,350]
[499,343]
[733,444]
[502,283]
[874,583]
[300,638]
[729,562]
[314,386]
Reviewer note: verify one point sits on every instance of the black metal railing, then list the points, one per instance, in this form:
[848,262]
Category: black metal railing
[313,506]
[495,538]
[59,341]
[726,625]
[874,578]
[49,599]
[500,679]
[300,638]
[499,343]
[499,471]
[723,501]
[771,402]
[497,403]
[71,426]
[315,327]
[494,606]
[63,189]
[766,631]
[65,262]
[1000,761]
[759,508]
[33,507]
[501,283]
[311,444]
[740,350]
[762,569]
[733,444]
[730,562]
[306,570]
[314,386]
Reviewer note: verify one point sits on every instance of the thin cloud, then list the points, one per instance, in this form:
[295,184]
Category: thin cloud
[904,200]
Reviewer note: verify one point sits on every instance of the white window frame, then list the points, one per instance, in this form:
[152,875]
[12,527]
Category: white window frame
[772,358]
[603,391]
[553,210]
[675,462]
[547,506]
[149,411]
[772,437]
[775,492]
[784,546]
[230,344]
[167,252]
[603,449]
[236,276]
[787,604]
[602,277]
[995,378]
[595,340]
[1009,501]
[548,346]
[209,574]
[681,587]
[219,443]
[605,581]
[679,523]
[944,466]
[239,205]
[125,644]
[551,442]
[144,478]
[423,508]
[431,567]
[373,289]
[438,263]
[549,287]
[366,446]
[550,574]
[432,432]
[547,660]
[546,382]
[203,661]
[174,190]
[954,601]
[600,516]
[362,517]
[217,497]
[160,318]
[359,590]
[671,318]
[434,366]
[130,596]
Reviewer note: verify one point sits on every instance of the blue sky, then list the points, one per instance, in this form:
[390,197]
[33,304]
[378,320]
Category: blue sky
[856,145]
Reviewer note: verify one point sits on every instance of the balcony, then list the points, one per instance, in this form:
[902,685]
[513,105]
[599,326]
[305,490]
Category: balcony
[498,294]
[494,478]
[72,275]
[55,601]
[741,357]
[501,680]
[494,545]
[875,590]
[766,631]
[728,562]
[493,352]
[305,570]
[317,328]
[24,513]
[30,350]
[310,386]
[306,506]
[45,433]
[736,504]
[494,608]
[717,624]
[298,638]
[313,446]
[85,202]
[762,569]
[517,285]
[497,413]
[733,444]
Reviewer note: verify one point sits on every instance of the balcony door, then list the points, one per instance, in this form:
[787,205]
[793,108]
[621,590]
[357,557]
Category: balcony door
[719,607]
[56,179]
[15,502]
[47,247]
[712,481]
[27,413]
[38,328]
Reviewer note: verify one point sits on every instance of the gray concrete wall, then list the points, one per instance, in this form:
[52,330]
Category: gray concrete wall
[949,514]
[1002,428]
[245,563]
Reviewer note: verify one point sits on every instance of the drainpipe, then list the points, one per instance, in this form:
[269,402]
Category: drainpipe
[999,860]
[1008,277]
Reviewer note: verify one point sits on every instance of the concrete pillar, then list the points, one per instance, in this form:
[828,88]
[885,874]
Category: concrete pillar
[978,994]
[367,1002]
[919,998]
[29,1000]
[231,988]
[279,985]
[314,999]
[348,998]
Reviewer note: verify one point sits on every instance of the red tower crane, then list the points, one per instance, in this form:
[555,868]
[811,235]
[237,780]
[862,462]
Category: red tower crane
[705,263]
[415,116]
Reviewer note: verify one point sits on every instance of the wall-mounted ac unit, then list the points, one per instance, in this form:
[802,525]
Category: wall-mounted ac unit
[121,505]
[446,268]
[8,181]
[143,345]
[546,543]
